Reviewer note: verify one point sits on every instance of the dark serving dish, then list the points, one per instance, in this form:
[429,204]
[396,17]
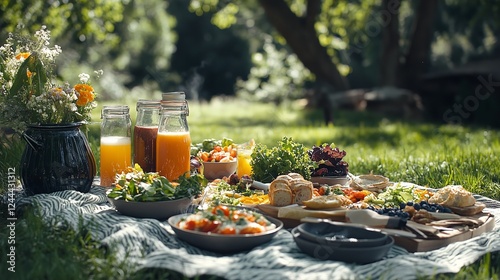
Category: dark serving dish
[341,235]
[362,255]
[160,210]
[222,243]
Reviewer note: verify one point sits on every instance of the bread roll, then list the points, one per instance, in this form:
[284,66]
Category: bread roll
[302,190]
[281,197]
[289,189]
[279,184]
[284,177]
[453,196]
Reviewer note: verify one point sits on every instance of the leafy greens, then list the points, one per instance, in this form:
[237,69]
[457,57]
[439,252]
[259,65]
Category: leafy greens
[288,156]
[136,185]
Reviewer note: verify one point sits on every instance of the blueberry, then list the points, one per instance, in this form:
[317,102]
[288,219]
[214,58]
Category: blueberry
[433,208]
[416,206]
[409,203]
[423,202]
[402,205]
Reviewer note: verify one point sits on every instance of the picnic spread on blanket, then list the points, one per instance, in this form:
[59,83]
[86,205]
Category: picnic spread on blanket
[245,211]
[186,243]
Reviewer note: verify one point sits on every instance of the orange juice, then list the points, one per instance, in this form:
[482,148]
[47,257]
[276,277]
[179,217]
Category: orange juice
[115,157]
[173,154]
[244,168]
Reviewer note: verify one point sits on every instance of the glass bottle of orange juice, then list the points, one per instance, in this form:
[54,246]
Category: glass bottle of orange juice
[173,142]
[116,149]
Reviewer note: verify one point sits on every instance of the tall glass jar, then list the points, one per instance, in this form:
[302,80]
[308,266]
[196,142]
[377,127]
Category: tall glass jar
[145,131]
[116,150]
[173,143]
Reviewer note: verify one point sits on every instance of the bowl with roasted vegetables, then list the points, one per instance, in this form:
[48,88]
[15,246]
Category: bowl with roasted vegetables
[225,229]
[218,157]
[148,195]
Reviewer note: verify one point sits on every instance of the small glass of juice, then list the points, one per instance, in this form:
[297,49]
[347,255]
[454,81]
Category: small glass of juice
[244,158]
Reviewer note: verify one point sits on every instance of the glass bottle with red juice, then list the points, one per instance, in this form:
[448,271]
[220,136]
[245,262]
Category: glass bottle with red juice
[145,133]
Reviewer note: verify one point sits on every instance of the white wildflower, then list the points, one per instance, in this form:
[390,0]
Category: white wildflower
[84,77]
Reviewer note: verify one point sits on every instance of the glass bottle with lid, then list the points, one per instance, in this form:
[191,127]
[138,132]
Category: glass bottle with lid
[115,145]
[173,143]
[145,132]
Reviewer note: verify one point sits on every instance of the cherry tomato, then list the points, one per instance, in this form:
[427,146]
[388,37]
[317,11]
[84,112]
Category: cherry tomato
[190,225]
[233,153]
[228,230]
[204,156]
[252,229]
[221,209]
[202,223]
[211,226]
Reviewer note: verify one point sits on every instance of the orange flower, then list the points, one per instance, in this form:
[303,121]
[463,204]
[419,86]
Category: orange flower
[85,94]
[29,73]
[23,55]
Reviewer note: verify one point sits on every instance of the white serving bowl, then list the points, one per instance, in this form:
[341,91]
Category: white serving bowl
[331,180]
[218,170]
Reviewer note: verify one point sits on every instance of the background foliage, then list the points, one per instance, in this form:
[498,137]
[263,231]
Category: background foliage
[211,48]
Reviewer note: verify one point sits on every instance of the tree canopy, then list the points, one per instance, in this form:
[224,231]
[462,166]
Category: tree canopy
[267,50]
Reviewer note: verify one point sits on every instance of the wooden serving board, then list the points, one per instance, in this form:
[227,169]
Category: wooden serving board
[423,245]
[411,244]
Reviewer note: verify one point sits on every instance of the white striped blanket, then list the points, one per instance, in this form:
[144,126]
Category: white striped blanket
[149,243]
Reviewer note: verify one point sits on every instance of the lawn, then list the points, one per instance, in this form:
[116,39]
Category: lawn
[423,153]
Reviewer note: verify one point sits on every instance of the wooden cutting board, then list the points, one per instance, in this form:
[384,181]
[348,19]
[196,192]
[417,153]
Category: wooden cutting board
[291,215]
[446,238]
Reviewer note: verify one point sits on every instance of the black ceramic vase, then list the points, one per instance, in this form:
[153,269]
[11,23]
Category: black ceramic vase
[56,158]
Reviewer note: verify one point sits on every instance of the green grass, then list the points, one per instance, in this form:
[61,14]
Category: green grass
[423,153]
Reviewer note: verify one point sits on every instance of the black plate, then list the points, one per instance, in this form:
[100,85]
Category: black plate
[341,235]
[351,255]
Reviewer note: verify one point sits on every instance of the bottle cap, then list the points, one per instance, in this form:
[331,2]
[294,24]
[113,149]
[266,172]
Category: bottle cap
[173,96]
[141,103]
[116,110]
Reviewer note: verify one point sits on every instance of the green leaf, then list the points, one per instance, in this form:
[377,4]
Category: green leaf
[39,77]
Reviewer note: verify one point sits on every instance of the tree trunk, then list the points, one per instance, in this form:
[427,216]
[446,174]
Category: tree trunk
[390,43]
[417,59]
[301,36]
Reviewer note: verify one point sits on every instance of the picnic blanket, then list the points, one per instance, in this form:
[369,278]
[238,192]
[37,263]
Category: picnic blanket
[149,243]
